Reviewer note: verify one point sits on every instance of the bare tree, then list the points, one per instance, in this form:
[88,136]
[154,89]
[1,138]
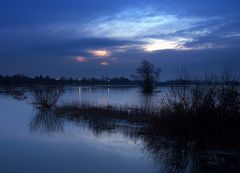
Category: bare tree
[148,75]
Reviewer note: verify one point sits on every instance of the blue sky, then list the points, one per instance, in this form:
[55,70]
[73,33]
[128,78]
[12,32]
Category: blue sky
[96,37]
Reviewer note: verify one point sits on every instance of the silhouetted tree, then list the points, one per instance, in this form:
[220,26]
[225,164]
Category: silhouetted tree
[148,75]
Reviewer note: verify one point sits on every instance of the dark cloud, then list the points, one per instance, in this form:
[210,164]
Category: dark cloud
[27,12]
[226,35]
[45,36]
[81,45]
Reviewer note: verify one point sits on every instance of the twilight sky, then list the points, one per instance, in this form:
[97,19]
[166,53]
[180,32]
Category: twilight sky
[106,37]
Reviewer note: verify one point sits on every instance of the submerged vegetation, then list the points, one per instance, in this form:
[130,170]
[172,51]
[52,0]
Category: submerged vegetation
[46,97]
[147,74]
[194,128]
[198,111]
[204,110]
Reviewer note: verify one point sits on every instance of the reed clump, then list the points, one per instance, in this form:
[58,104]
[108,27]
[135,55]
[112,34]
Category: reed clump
[46,97]
[132,114]
[209,109]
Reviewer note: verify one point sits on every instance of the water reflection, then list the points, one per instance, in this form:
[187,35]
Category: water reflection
[177,156]
[148,101]
[46,122]
[170,155]
[112,95]
[14,92]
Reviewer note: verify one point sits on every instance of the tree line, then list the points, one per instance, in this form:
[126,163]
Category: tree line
[46,80]
[146,76]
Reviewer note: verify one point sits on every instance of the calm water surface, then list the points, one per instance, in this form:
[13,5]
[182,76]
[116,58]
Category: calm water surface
[31,144]
[114,95]
[33,140]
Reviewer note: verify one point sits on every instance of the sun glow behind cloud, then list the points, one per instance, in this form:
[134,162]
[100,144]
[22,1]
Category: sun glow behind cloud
[80,59]
[161,44]
[159,31]
[148,29]
[100,53]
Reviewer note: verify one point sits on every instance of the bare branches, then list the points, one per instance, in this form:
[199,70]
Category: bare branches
[148,74]
[46,96]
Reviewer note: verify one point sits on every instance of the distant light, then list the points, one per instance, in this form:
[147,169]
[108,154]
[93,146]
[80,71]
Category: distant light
[104,63]
[100,53]
[80,59]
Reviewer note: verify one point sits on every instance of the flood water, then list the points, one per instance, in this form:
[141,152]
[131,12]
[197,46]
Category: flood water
[32,140]
[113,95]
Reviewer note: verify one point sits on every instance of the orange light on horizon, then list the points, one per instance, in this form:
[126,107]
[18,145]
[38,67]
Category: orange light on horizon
[100,53]
[80,59]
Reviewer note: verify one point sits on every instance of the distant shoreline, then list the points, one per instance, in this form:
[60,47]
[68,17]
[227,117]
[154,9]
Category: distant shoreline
[25,81]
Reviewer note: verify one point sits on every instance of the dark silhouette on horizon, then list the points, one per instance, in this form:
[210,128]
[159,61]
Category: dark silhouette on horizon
[148,76]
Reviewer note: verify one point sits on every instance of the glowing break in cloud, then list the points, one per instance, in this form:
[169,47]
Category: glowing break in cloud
[158,30]
[80,59]
[100,53]
[161,44]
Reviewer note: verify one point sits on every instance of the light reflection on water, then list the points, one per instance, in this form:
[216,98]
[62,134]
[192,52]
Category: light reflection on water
[114,95]
[35,140]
